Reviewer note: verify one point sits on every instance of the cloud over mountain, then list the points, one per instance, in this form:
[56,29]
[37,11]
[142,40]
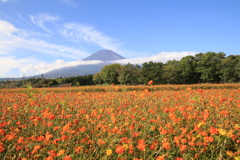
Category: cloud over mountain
[160,57]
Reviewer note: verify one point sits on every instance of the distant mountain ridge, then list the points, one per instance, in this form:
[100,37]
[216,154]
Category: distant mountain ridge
[73,71]
[104,55]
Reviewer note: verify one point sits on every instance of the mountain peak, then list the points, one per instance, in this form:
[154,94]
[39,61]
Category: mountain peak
[104,55]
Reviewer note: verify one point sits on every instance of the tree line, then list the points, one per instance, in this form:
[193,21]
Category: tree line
[42,82]
[207,67]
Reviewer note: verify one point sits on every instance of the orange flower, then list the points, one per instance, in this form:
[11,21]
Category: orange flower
[141,144]
[119,149]
[66,127]
[101,142]
[150,82]
[10,136]
[160,158]
[213,130]
[135,134]
[166,145]
[35,149]
[208,139]
[184,140]
[163,131]
[48,136]
[20,140]
[61,152]
[67,158]
[131,148]
[78,149]
[1,147]
[153,146]
[183,148]
[82,129]
[2,132]
[52,153]
[49,158]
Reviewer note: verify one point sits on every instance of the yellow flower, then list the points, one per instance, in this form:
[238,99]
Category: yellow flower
[125,146]
[237,158]
[200,124]
[222,131]
[108,152]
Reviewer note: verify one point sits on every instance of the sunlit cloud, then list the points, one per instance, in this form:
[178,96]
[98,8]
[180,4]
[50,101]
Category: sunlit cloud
[41,19]
[10,39]
[160,57]
[8,63]
[7,28]
[43,67]
[79,32]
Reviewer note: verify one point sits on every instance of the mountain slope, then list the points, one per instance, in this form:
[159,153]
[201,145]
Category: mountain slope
[104,55]
[73,71]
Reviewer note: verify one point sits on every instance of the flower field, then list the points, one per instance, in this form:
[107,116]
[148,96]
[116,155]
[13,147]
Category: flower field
[178,122]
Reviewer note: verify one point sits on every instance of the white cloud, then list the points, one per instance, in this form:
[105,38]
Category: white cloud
[161,57]
[40,20]
[79,32]
[7,28]
[9,63]
[84,33]
[52,49]
[10,39]
[43,67]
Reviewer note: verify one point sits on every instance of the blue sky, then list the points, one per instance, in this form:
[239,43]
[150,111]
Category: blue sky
[37,36]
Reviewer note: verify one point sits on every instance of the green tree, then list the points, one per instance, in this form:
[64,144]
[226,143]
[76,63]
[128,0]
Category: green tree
[187,74]
[208,66]
[97,78]
[110,73]
[171,72]
[237,69]
[228,69]
[129,74]
[151,71]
